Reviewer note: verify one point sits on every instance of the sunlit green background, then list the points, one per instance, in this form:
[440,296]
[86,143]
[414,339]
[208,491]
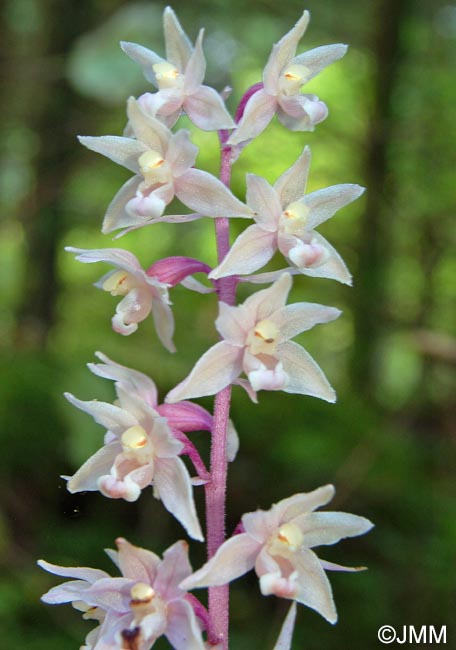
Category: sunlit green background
[387,444]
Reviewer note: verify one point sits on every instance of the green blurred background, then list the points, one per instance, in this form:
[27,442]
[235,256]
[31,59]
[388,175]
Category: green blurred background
[388,444]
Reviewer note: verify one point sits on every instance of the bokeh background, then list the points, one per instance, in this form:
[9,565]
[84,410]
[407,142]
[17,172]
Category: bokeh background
[388,444]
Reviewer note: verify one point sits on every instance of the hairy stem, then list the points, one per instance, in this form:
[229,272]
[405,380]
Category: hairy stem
[216,489]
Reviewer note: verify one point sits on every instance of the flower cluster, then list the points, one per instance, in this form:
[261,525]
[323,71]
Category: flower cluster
[145,440]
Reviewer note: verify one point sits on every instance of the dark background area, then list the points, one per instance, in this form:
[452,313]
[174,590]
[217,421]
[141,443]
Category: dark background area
[388,443]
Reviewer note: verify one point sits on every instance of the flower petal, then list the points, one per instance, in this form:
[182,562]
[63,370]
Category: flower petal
[174,487]
[174,568]
[164,323]
[123,151]
[116,215]
[298,504]
[333,268]
[305,377]
[183,631]
[136,563]
[80,573]
[282,53]
[86,478]
[286,633]
[196,67]
[312,585]
[300,317]
[258,112]
[267,301]
[265,201]
[234,557]
[216,369]
[146,128]
[178,46]
[207,110]
[181,154]
[145,57]
[292,184]
[320,57]
[109,416]
[234,323]
[204,193]
[118,257]
[133,380]
[327,528]
[252,250]
[325,203]
[301,112]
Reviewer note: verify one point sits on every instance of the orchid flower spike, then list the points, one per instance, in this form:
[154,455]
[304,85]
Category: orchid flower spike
[139,450]
[278,543]
[163,166]
[256,341]
[134,610]
[286,221]
[283,77]
[179,80]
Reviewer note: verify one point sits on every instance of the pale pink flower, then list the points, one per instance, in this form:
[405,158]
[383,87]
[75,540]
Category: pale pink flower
[286,221]
[256,341]
[179,80]
[143,292]
[136,609]
[162,162]
[278,543]
[283,77]
[140,450]
[182,418]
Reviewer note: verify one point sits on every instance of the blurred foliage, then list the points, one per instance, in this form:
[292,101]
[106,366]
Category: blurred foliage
[388,446]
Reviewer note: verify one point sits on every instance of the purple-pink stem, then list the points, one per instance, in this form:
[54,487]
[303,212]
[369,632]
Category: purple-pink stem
[218,601]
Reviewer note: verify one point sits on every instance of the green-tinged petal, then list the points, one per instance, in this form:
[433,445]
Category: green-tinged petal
[145,57]
[291,186]
[300,317]
[305,377]
[327,528]
[250,252]
[325,203]
[123,151]
[216,369]
[235,557]
[205,194]
[178,45]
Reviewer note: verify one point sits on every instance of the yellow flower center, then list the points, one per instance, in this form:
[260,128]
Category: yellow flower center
[153,167]
[262,339]
[167,75]
[134,438]
[293,78]
[288,538]
[142,593]
[119,283]
[294,218]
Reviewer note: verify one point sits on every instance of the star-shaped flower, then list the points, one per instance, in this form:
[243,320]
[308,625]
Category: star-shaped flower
[278,543]
[256,341]
[134,610]
[143,292]
[286,221]
[162,162]
[139,450]
[182,417]
[179,79]
[283,77]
